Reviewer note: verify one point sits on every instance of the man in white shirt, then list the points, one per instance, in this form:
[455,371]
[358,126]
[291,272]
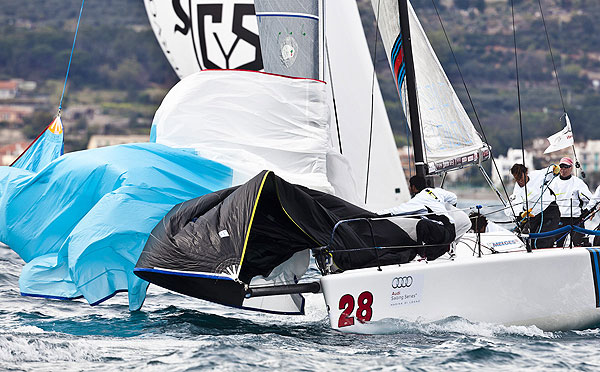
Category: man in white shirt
[543,212]
[572,196]
[436,227]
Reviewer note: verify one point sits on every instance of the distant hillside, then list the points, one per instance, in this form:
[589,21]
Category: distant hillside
[482,40]
[119,65]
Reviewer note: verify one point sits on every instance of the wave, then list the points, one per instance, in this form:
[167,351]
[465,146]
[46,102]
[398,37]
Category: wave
[20,346]
[453,324]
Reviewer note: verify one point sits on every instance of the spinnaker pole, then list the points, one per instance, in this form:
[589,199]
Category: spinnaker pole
[411,90]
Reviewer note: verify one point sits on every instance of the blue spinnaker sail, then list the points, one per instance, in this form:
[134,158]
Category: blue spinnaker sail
[82,221]
[48,146]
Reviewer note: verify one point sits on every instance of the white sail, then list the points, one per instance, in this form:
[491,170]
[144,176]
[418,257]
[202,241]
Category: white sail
[350,79]
[449,138]
[196,35]
[250,121]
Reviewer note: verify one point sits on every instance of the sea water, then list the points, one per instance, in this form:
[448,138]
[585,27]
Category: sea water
[178,333]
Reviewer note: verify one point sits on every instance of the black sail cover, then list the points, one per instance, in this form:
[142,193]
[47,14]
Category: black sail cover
[213,246]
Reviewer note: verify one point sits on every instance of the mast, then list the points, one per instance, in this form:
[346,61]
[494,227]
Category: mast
[411,90]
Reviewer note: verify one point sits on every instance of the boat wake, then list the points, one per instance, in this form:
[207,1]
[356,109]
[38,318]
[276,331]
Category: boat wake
[452,325]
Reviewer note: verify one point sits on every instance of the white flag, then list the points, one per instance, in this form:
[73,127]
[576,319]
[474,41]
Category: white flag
[562,139]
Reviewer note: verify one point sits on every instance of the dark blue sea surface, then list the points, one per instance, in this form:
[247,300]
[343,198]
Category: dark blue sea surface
[178,333]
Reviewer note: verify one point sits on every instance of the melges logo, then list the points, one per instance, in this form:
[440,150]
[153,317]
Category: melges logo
[402,282]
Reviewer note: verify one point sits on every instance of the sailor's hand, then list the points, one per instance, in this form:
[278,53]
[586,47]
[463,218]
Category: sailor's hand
[584,214]
[555,169]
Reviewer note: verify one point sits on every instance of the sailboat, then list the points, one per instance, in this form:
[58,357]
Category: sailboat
[248,244]
[553,289]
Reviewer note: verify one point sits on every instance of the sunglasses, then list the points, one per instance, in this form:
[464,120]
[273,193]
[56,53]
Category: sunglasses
[565,166]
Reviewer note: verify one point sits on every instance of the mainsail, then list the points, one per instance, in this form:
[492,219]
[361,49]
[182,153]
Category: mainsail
[291,36]
[449,138]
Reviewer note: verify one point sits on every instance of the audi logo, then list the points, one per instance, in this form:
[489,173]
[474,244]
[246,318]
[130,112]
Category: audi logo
[402,282]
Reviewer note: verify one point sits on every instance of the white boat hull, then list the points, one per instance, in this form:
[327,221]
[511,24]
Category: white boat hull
[553,289]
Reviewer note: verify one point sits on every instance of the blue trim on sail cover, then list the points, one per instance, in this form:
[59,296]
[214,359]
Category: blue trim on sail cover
[179,273]
[293,15]
[594,258]
[49,297]
[73,298]
[108,297]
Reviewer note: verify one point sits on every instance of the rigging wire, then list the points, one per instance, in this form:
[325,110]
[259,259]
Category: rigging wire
[471,101]
[372,99]
[512,9]
[552,56]
[70,59]
[562,101]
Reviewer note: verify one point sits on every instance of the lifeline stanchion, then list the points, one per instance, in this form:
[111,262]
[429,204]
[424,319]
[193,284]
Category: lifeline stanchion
[478,230]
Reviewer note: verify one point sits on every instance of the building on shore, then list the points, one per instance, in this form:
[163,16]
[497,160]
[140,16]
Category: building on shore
[9,89]
[505,162]
[9,153]
[14,114]
[99,140]
[589,155]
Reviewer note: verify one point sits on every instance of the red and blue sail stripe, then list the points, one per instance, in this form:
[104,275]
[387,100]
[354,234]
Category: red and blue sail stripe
[397,58]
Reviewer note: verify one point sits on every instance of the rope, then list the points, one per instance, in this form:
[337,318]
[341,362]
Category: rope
[562,101]
[471,102]
[70,58]
[372,99]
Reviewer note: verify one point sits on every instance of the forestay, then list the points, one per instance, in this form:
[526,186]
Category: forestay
[450,140]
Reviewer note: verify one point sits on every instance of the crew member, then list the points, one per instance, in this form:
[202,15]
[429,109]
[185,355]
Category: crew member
[543,214]
[572,197]
[593,223]
[436,228]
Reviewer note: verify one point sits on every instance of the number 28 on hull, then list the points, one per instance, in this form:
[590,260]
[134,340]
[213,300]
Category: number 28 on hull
[553,289]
